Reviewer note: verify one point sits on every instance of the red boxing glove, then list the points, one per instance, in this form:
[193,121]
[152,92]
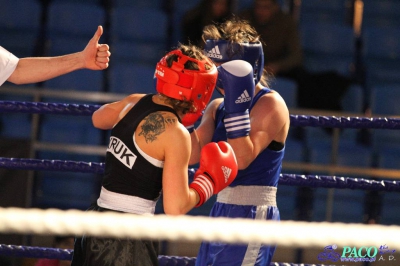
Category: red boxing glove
[218,168]
[189,119]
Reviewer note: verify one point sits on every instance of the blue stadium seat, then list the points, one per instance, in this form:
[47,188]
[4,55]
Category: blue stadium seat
[135,37]
[384,99]
[137,24]
[286,201]
[388,156]
[80,80]
[317,138]
[295,151]
[322,11]
[134,52]
[156,4]
[15,125]
[128,78]
[327,46]
[70,26]
[350,153]
[388,215]
[180,8]
[245,4]
[74,19]
[353,154]
[320,152]
[69,129]
[384,103]
[353,99]
[20,26]
[287,89]
[382,13]
[320,204]
[382,55]
[66,190]
[349,136]
[347,205]
[183,5]
[95,2]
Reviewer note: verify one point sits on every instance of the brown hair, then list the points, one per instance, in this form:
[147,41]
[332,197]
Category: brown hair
[193,52]
[234,30]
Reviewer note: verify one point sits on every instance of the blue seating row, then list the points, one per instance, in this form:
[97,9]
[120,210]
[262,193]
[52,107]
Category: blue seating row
[136,47]
[328,44]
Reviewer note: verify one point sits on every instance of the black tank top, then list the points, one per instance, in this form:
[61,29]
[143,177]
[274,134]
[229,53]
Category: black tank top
[126,170]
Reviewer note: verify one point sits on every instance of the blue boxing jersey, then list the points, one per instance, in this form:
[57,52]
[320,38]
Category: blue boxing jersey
[266,168]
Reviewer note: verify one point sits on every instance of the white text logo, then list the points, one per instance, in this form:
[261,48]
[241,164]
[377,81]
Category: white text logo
[121,152]
[214,53]
[244,97]
[227,172]
[160,73]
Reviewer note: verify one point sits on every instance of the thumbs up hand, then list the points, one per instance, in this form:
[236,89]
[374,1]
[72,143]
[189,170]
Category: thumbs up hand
[96,56]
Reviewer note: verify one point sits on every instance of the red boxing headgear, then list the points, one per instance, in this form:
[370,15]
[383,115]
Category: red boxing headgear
[196,85]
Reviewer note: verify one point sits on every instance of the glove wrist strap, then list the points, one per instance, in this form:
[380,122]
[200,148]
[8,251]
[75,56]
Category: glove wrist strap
[237,124]
[204,187]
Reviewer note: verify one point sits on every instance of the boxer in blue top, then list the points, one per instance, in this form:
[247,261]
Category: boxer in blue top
[255,121]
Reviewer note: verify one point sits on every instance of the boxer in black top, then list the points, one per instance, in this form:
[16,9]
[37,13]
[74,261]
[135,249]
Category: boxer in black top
[148,154]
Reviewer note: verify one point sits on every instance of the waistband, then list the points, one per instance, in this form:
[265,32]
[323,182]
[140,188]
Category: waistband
[248,195]
[125,203]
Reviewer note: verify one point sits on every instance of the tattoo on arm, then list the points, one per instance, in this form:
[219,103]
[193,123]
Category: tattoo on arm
[154,125]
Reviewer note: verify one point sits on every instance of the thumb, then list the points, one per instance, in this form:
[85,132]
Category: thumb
[98,34]
[224,146]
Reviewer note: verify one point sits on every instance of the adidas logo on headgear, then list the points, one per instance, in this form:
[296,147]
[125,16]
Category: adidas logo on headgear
[244,97]
[227,172]
[214,53]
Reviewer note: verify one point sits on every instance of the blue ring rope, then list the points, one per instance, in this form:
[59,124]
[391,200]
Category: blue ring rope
[295,120]
[285,179]
[66,254]
[90,167]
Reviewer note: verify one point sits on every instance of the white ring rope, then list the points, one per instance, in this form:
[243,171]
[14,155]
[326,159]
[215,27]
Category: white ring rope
[192,228]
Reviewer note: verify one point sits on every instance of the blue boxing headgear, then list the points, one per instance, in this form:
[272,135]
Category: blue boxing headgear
[221,51]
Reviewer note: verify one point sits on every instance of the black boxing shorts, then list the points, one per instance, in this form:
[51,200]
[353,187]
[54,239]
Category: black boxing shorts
[93,251]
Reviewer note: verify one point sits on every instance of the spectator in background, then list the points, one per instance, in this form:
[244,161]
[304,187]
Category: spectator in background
[206,12]
[62,242]
[283,53]
[283,57]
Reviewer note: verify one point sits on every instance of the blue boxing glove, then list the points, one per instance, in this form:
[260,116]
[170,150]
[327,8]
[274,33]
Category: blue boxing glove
[236,79]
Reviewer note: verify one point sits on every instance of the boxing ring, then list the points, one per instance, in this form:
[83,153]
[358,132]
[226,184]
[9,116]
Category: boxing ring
[191,228]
